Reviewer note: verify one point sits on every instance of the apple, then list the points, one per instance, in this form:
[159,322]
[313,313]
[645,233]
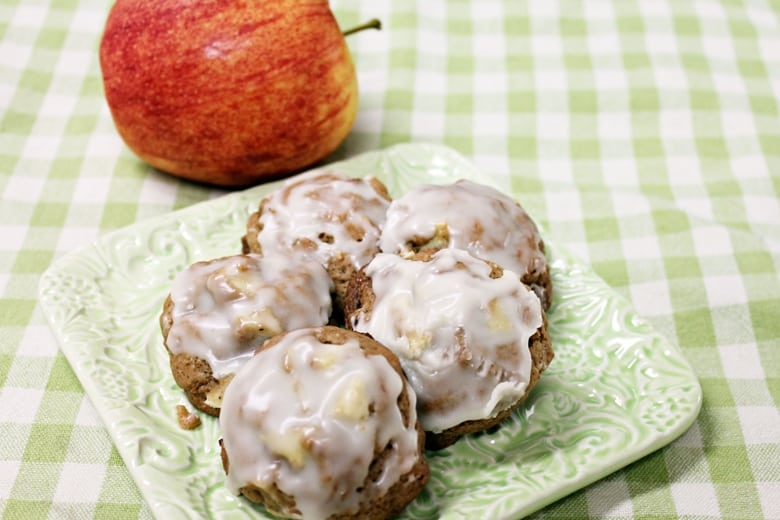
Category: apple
[228,92]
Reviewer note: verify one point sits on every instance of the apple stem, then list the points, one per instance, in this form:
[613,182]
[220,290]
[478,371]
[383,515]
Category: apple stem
[374,23]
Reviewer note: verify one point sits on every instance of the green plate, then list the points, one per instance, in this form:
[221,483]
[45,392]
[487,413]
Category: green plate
[616,391]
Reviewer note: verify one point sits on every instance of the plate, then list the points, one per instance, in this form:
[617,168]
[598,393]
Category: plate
[616,391]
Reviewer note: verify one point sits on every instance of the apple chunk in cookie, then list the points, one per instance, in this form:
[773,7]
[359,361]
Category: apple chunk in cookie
[220,311]
[471,337]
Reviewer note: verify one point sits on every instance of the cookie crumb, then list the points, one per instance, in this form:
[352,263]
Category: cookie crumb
[187,420]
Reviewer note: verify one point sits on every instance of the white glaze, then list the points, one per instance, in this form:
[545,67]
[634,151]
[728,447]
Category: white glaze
[297,416]
[295,216]
[420,310]
[478,218]
[225,308]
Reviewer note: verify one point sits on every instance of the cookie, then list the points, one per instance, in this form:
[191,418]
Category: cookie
[327,216]
[220,311]
[321,423]
[471,337]
[474,217]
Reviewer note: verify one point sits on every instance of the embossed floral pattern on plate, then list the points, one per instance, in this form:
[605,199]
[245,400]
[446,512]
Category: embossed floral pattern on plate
[616,391]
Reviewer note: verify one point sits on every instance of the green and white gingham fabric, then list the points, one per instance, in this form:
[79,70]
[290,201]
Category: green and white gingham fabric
[644,135]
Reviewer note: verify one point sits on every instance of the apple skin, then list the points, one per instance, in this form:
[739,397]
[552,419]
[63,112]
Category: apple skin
[228,92]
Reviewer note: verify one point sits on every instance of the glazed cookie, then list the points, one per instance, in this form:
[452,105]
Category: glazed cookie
[471,337]
[469,216]
[219,312]
[321,424]
[327,216]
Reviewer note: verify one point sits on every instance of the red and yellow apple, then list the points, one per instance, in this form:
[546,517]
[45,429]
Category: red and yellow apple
[228,92]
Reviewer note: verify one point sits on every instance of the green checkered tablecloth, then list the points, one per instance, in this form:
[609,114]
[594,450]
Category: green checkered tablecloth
[645,136]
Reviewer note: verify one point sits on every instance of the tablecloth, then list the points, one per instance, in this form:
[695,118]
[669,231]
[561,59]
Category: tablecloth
[645,136]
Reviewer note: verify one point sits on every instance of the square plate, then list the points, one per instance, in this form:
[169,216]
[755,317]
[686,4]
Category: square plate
[616,391]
